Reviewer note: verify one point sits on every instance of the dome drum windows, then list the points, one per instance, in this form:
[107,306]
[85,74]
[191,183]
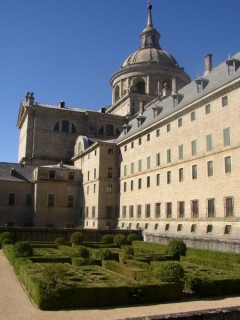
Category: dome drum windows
[65,126]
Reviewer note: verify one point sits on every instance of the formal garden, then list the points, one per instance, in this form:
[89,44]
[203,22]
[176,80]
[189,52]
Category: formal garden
[119,270]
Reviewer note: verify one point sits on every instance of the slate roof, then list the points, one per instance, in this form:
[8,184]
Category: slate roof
[217,78]
[16,172]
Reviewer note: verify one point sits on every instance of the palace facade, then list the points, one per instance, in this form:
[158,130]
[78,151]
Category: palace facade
[164,157]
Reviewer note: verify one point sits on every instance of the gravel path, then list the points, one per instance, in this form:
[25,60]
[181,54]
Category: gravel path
[15,304]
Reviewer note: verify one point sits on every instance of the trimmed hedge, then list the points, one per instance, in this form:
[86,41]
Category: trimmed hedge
[129,272]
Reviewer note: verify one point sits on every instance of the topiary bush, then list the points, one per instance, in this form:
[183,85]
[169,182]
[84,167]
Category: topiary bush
[76,238]
[53,274]
[22,249]
[131,237]
[107,238]
[6,238]
[171,271]
[176,248]
[60,241]
[82,252]
[106,254]
[120,239]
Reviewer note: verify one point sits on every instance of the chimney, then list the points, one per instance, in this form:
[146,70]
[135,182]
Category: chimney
[207,64]
[174,86]
[141,107]
[62,104]
[29,98]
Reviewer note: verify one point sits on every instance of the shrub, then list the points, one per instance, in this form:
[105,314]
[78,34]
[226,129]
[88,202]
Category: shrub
[76,238]
[127,254]
[6,241]
[106,254]
[60,241]
[107,238]
[177,248]
[53,273]
[22,249]
[131,237]
[82,252]
[120,239]
[171,271]
[6,238]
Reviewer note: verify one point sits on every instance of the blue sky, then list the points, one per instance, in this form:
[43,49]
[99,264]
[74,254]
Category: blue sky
[68,49]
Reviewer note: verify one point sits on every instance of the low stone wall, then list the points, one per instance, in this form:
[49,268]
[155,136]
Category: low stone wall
[232,313]
[50,234]
[198,243]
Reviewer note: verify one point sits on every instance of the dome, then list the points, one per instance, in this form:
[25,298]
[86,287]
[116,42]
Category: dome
[150,55]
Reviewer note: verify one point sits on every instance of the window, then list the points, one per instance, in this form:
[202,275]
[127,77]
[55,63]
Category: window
[228,165]
[179,122]
[155,226]
[158,133]
[157,210]
[147,210]
[193,228]
[210,168]
[210,208]
[109,212]
[148,181]
[86,212]
[180,152]
[193,116]
[140,141]
[93,212]
[146,226]
[148,162]
[139,210]
[157,159]
[194,171]
[51,174]
[51,200]
[158,179]
[131,211]
[70,201]
[224,101]
[167,226]
[125,170]
[124,211]
[181,209]
[28,200]
[94,188]
[139,183]
[125,186]
[232,66]
[109,188]
[125,148]
[109,173]
[180,174]
[209,142]
[139,165]
[209,228]
[207,109]
[168,177]
[228,206]
[194,208]
[70,175]
[65,126]
[87,189]
[132,145]
[148,137]
[226,137]
[168,127]
[169,209]
[168,155]
[131,185]
[179,227]
[11,199]
[110,151]
[194,147]
[227,229]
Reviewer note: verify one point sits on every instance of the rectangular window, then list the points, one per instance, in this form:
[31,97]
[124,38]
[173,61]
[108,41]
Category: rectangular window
[180,174]
[179,122]
[147,210]
[109,188]
[157,159]
[194,208]
[52,174]
[70,175]
[194,171]
[125,170]
[168,127]
[180,152]
[65,126]
[139,165]
[158,133]
[140,183]
[226,137]
[109,212]
[228,165]
[140,141]
[228,207]
[28,200]
[131,185]
[169,177]
[124,211]
[227,229]
[157,210]
[158,179]
[207,109]
[193,116]
[88,175]
[209,145]
[168,155]
[224,101]
[139,210]
[125,187]
[169,209]
[94,188]
[209,228]
[109,173]
[131,211]
[93,212]
[132,168]
[11,199]
[125,148]
[70,201]
[194,147]
[210,168]
[148,137]
[132,145]
[155,226]
[51,200]
[110,151]
[181,209]
[210,208]
[148,162]
[148,181]
[179,227]
[193,228]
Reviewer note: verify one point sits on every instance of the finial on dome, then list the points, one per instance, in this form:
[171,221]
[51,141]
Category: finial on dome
[149,22]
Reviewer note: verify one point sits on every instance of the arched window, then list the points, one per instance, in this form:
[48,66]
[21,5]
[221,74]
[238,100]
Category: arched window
[64,126]
[101,131]
[56,127]
[109,130]
[140,87]
[117,93]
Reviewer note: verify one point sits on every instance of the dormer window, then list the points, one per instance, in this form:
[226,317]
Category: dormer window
[232,65]
[126,128]
[156,111]
[201,84]
[177,98]
[140,120]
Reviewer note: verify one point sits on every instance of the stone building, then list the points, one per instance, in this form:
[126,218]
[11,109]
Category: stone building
[162,158]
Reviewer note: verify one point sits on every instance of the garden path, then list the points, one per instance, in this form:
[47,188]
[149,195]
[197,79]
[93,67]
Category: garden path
[15,304]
